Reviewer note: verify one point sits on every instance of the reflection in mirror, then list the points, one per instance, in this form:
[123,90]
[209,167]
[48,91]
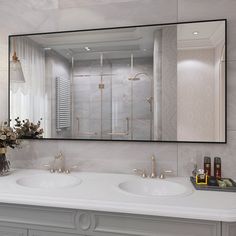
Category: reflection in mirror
[157,83]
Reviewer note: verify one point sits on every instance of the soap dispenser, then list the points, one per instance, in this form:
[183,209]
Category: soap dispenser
[217,167]
[207,165]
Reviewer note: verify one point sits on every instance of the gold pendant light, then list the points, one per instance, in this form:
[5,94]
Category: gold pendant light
[16,72]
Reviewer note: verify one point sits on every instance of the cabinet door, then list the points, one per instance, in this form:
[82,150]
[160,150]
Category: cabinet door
[47,233]
[6,231]
[228,229]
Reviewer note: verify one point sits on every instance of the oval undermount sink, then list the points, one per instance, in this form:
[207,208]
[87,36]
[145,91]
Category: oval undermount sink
[153,187]
[49,181]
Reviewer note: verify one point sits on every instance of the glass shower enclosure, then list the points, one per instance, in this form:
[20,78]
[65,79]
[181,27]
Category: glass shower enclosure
[112,97]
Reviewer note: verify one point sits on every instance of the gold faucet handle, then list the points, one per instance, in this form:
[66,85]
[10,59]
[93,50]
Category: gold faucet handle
[140,172]
[48,166]
[74,167]
[163,173]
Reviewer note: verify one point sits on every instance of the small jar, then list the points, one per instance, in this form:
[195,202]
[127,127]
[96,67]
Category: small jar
[201,177]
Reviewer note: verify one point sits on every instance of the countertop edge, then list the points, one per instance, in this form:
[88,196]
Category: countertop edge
[162,211]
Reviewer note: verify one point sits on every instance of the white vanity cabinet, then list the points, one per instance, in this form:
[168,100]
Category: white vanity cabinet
[10,231]
[19,220]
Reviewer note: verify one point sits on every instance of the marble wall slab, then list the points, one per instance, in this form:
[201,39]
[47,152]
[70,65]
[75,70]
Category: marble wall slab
[120,157]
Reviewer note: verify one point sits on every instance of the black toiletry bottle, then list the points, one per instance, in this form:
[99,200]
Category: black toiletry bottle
[207,166]
[217,167]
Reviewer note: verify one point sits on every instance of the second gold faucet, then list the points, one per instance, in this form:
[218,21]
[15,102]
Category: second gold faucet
[142,172]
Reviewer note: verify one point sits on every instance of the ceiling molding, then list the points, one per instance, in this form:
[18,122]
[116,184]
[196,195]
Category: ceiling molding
[218,36]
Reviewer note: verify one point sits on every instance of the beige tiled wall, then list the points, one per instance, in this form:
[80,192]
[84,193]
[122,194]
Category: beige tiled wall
[120,156]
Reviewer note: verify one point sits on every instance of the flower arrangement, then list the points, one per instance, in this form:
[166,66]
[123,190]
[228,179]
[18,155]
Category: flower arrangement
[8,137]
[28,130]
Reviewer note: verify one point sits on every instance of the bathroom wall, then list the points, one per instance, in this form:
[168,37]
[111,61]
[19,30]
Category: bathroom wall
[165,83]
[219,90]
[169,83]
[196,79]
[120,156]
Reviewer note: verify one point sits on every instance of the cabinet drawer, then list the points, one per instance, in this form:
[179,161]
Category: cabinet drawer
[115,224]
[47,233]
[7,231]
[43,216]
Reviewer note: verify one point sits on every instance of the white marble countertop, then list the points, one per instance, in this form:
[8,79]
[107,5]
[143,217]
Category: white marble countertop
[100,192]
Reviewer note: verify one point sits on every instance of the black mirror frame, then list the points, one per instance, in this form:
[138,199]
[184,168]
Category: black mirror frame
[123,27]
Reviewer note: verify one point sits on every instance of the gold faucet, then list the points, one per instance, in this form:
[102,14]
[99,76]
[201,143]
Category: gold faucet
[142,172]
[154,172]
[58,163]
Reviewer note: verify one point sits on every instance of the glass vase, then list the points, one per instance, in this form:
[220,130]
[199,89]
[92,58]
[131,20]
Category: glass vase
[4,163]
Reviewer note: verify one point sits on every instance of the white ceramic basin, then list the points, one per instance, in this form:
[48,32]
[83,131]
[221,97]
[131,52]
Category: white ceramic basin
[153,187]
[49,181]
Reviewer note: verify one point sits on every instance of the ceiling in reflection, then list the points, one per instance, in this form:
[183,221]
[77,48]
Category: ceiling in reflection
[120,43]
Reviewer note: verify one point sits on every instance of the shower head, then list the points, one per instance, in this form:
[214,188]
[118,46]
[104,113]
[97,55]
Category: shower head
[134,78]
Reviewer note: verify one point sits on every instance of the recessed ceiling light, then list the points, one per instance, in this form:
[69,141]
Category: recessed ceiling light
[195,32]
[144,49]
[46,49]
[87,48]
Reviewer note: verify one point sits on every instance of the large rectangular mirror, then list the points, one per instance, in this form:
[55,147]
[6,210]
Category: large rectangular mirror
[150,83]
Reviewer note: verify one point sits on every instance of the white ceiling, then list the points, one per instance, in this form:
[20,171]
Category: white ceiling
[41,5]
[31,16]
[64,4]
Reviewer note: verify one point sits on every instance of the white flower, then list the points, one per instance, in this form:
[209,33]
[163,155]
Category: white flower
[3,137]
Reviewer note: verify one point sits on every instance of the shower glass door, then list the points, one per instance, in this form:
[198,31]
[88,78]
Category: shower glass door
[91,95]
